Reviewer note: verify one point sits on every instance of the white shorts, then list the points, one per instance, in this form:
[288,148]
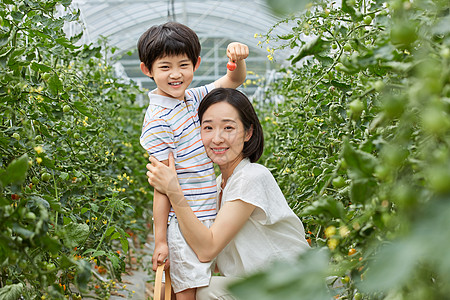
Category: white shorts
[217,289]
[186,271]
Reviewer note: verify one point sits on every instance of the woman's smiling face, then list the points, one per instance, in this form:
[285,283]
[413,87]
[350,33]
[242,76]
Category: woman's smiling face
[223,135]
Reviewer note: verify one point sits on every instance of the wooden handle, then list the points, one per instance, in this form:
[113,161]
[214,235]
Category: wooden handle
[158,284]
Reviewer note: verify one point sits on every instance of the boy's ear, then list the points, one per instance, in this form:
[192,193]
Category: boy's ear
[145,70]
[197,64]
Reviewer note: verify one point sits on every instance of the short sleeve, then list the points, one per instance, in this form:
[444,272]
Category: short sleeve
[197,94]
[252,190]
[157,138]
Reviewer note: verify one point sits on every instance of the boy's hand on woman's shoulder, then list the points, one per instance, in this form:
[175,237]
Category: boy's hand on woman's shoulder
[237,51]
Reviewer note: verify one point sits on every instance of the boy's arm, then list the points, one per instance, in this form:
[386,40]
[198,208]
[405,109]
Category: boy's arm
[236,52]
[161,208]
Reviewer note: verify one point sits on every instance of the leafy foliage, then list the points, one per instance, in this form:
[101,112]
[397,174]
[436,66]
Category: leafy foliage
[360,145]
[71,170]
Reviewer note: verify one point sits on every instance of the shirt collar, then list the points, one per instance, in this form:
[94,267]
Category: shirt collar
[163,101]
[239,167]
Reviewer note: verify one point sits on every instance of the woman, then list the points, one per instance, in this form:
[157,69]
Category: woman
[254,224]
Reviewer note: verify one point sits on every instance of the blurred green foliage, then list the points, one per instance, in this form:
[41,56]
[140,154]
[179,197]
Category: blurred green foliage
[72,172]
[360,146]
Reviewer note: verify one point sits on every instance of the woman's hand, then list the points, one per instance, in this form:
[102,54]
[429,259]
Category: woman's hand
[163,178]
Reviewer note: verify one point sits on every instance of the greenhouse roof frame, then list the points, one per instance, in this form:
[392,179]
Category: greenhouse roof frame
[123,21]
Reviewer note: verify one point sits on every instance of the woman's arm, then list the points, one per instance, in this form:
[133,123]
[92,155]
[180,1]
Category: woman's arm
[206,242]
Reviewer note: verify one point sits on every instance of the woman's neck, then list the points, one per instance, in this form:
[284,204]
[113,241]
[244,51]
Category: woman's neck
[227,170]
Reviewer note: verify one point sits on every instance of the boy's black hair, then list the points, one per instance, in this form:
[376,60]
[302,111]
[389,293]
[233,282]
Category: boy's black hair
[170,38]
[254,147]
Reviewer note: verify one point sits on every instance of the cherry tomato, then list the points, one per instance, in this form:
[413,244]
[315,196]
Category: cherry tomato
[66,108]
[367,20]
[338,182]
[231,66]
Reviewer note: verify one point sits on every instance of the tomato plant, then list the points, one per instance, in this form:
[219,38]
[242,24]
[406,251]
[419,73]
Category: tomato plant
[72,172]
[359,144]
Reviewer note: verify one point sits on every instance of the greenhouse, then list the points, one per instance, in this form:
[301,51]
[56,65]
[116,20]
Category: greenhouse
[321,172]
[217,23]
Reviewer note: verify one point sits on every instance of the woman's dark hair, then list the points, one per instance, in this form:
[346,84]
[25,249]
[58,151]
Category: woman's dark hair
[254,147]
[170,38]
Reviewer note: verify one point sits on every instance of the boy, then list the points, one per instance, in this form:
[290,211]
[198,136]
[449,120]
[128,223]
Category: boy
[170,54]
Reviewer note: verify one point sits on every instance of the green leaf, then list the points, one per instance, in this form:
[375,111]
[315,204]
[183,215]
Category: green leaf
[304,279]
[325,206]
[342,86]
[38,67]
[16,171]
[315,46]
[114,260]
[54,84]
[361,190]
[64,175]
[392,267]
[83,273]
[361,164]
[11,292]
[356,15]
[109,231]
[98,253]
[75,234]
[124,243]
[83,109]
[284,7]
[66,43]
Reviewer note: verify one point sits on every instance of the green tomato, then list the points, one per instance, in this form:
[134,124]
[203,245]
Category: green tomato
[339,67]
[46,76]
[378,85]
[50,267]
[76,135]
[66,108]
[435,121]
[35,180]
[439,180]
[367,20]
[403,34]
[344,165]
[345,279]
[16,136]
[338,182]
[310,122]
[445,52]
[357,296]
[334,46]
[356,108]
[30,216]
[46,177]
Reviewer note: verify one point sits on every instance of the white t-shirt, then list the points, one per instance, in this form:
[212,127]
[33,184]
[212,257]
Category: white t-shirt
[273,231]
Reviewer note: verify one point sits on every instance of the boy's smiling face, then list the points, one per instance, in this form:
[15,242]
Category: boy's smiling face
[172,75]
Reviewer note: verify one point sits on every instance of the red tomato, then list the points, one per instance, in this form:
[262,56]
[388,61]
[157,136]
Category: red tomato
[231,66]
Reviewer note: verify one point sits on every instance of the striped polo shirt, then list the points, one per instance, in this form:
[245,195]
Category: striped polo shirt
[171,125]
